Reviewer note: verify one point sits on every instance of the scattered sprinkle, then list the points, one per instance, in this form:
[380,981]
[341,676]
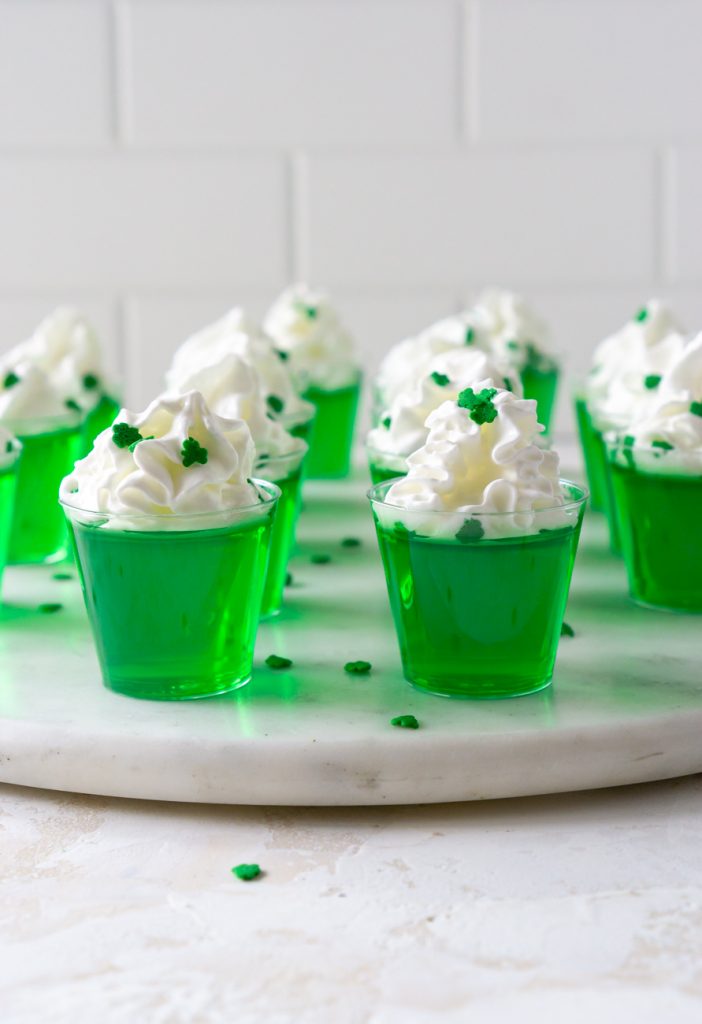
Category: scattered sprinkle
[470,335]
[386,421]
[71,404]
[652,381]
[311,312]
[61,576]
[513,345]
[320,559]
[283,356]
[405,722]
[696,408]
[402,530]
[665,446]
[275,404]
[629,440]
[480,407]
[246,872]
[90,381]
[49,609]
[124,435]
[10,380]
[275,661]
[567,630]
[192,452]
[357,668]
[288,579]
[440,378]
[8,446]
[351,542]
[507,383]
[472,529]
[641,315]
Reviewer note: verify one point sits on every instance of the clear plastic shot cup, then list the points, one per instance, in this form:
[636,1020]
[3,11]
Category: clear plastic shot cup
[287,472]
[541,385]
[97,419]
[50,447]
[594,452]
[300,424]
[174,605]
[384,465]
[658,497]
[9,463]
[332,437]
[478,617]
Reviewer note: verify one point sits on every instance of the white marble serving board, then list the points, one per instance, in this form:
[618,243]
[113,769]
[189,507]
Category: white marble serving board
[625,705]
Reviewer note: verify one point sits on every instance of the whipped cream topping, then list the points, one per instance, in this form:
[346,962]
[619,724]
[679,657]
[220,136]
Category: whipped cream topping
[174,461]
[516,333]
[9,448]
[28,394]
[231,388]
[669,429]
[306,328]
[236,333]
[66,347]
[403,427]
[480,457]
[627,365]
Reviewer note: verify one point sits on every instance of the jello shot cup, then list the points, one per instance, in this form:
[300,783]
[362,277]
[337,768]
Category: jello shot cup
[541,384]
[174,602]
[332,436]
[50,446]
[97,419]
[384,466]
[658,498]
[478,615]
[9,463]
[287,473]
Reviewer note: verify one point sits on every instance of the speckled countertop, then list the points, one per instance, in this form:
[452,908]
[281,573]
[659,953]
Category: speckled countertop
[550,908]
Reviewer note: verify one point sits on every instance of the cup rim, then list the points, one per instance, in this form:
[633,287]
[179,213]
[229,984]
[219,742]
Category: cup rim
[299,419]
[265,486]
[354,382]
[30,426]
[373,496]
[385,456]
[289,460]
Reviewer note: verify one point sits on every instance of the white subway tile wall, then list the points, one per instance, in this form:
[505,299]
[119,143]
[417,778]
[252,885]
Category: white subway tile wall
[162,160]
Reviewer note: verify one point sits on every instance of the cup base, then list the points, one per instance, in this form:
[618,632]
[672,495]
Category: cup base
[672,609]
[495,690]
[185,690]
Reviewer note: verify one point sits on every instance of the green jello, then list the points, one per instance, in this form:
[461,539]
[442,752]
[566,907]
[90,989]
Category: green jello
[283,529]
[384,466]
[594,456]
[478,618]
[380,474]
[173,614]
[332,436]
[8,481]
[38,531]
[659,523]
[541,385]
[98,419]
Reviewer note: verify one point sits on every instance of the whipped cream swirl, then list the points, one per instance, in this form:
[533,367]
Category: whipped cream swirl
[168,466]
[480,457]
[403,428]
[237,334]
[30,403]
[306,328]
[516,333]
[629,364]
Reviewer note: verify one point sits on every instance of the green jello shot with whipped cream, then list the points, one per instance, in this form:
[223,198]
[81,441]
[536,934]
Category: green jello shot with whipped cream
[34,411]
[10,450]
[171,535]
[402,428]
[656,476]
[627,367]
[232,388]
[478,543]
[308,334]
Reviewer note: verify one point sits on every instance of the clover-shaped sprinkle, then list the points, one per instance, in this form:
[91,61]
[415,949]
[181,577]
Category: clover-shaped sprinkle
[275,404]
[247,872]
[696,408]
[192,452]
[357,668]
[652,381]
[470,336]
[124,435]
[472,529]
[480,407]
[641,315]
[10,380]
[387,422]
[90,381]
[665,446]
[440,378]
[405,722]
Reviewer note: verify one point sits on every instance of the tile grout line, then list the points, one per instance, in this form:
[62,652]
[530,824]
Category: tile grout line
[121,90]
[470,70]
[667,201]
[298,216]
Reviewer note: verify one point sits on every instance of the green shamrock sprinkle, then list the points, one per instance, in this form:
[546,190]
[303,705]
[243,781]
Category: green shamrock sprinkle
[192,452]
[663,445]
[275,404]
[480,406]
[351,542]
[124,435]
[283,356]
[405,722]
[311,312]
[275,661]
[402,531]
[641,315]
[628,440]
[90,381]
[472,529]
[320,559]
[246,872]
[288,579]
[8,446]
[50,608]
[440,378]
[357,668]
[567,630]
[696,408]
[10,380]
[62,576]
[386,421]
[470,336]
[652,381]
[507,383]
[513,345]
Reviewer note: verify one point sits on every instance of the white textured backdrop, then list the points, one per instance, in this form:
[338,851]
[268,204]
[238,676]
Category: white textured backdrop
[161,160]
